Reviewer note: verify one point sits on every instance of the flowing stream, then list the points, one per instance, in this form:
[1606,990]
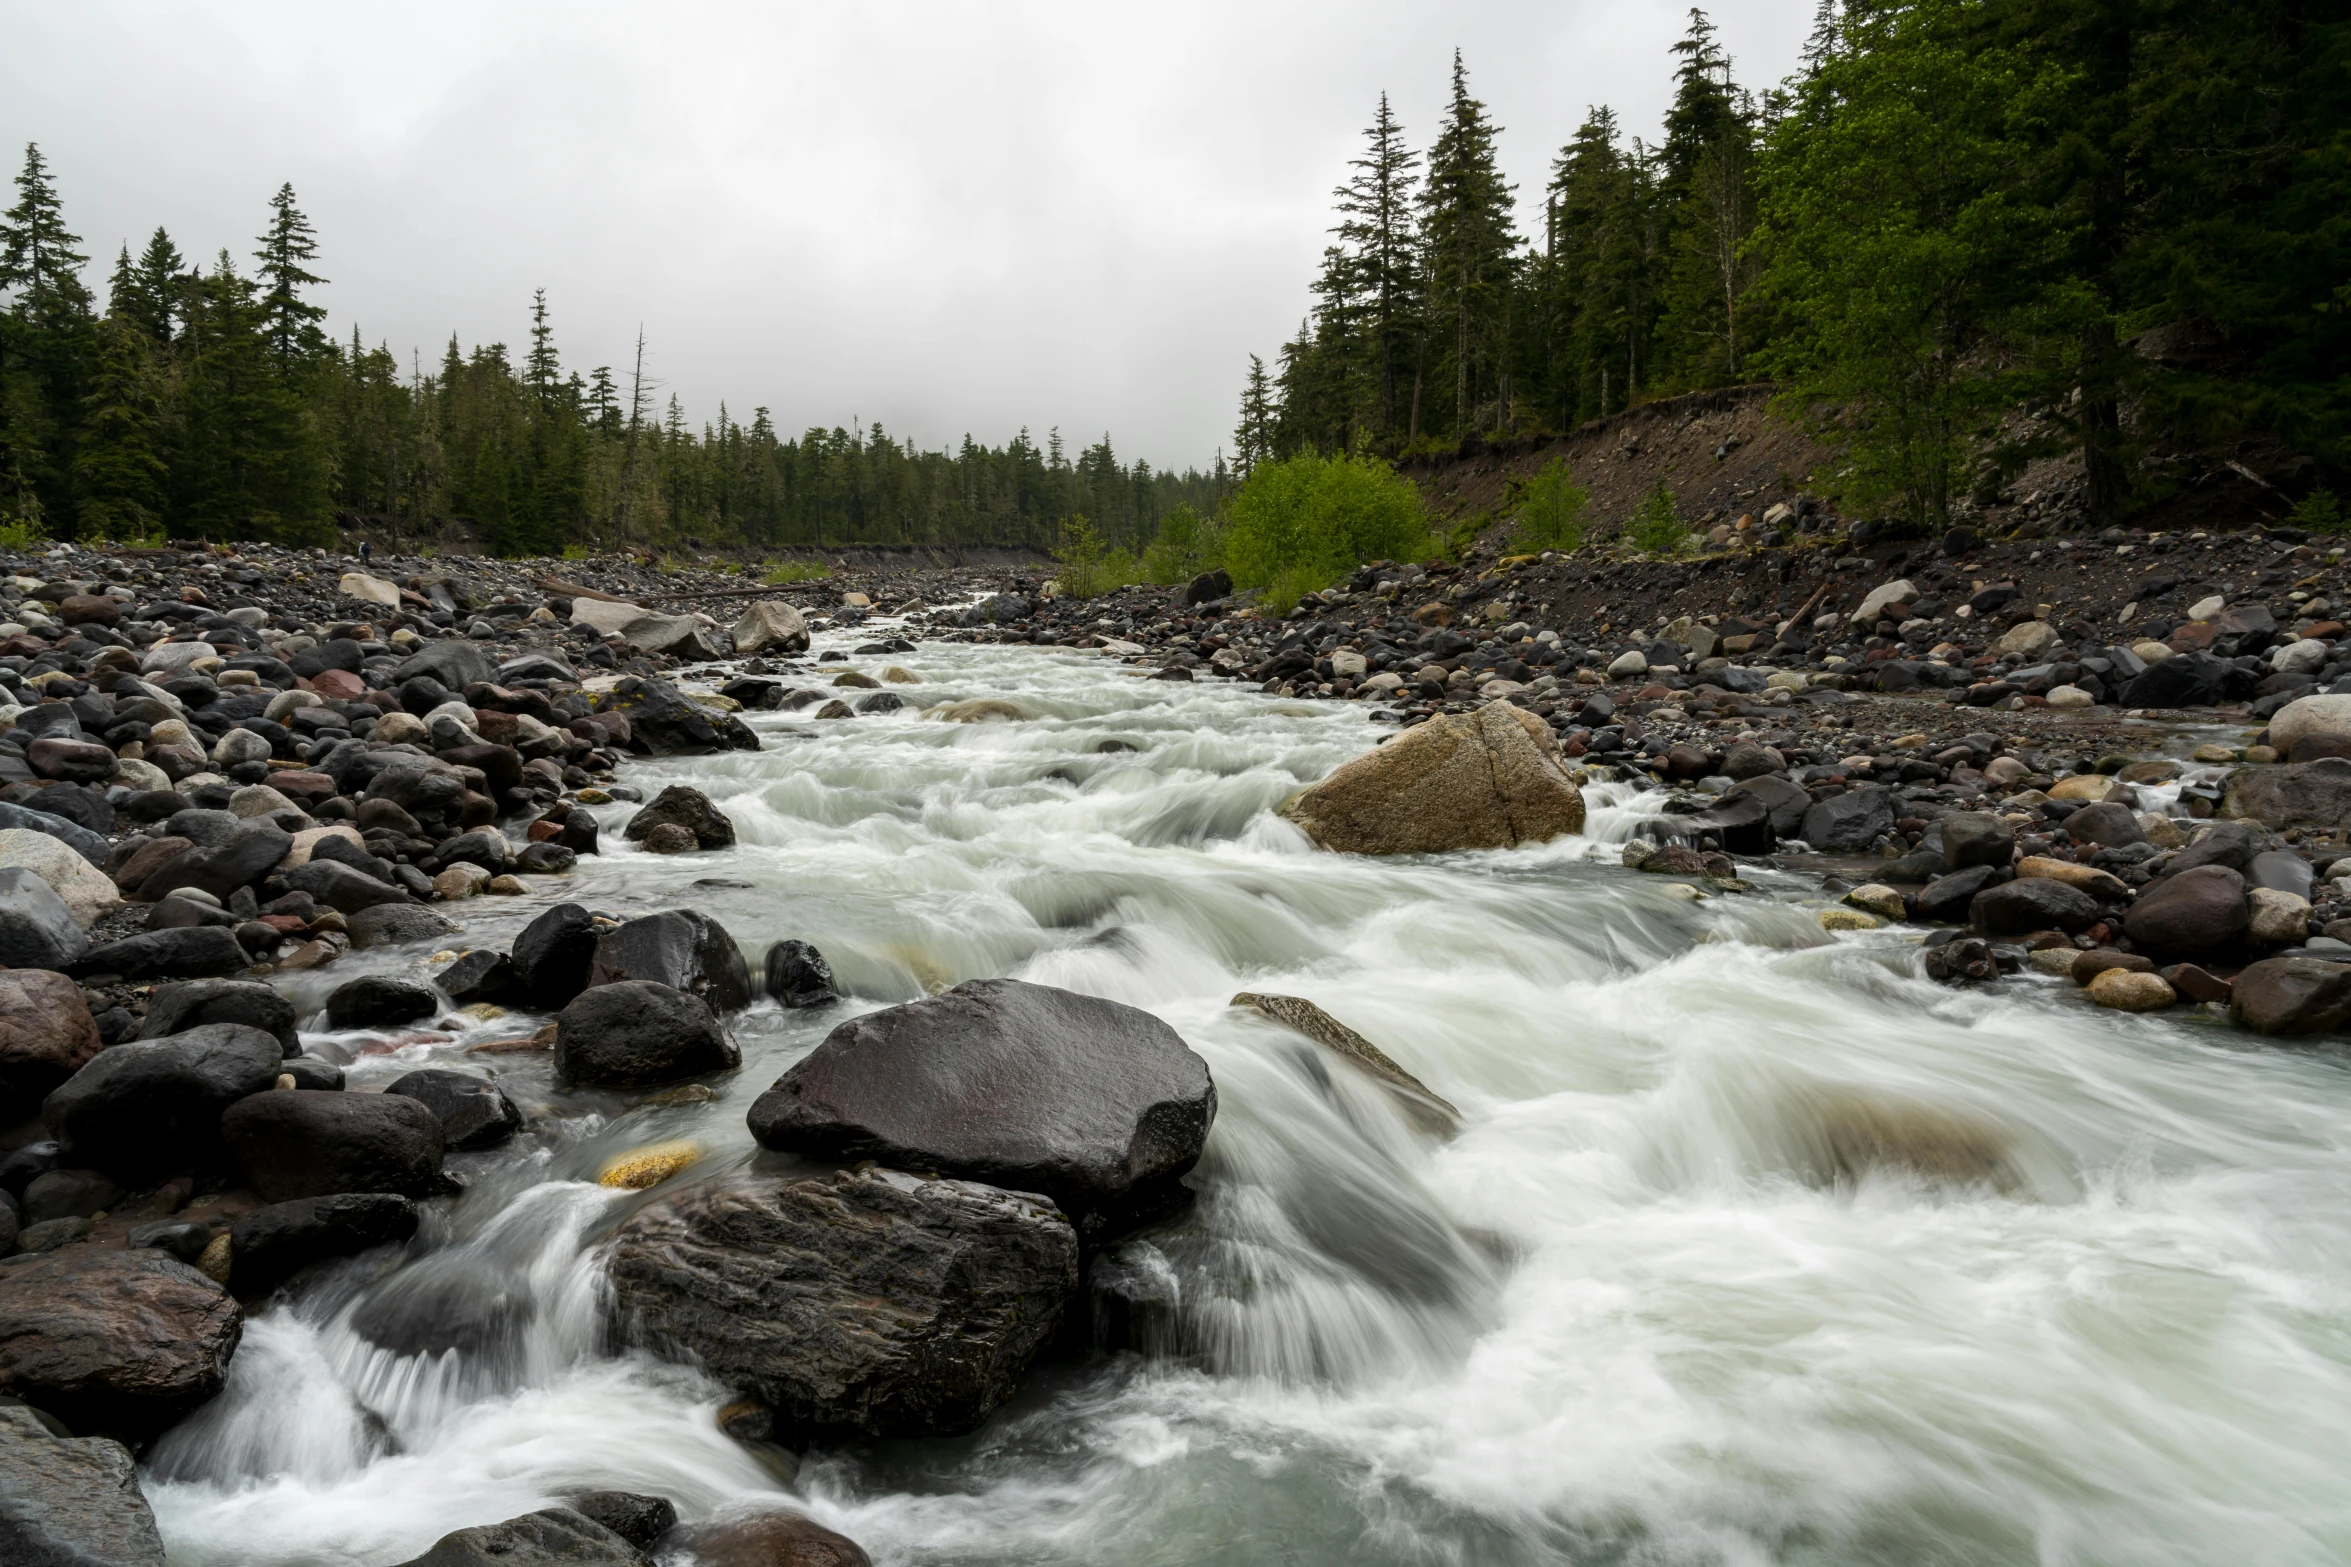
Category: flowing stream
[1753,1247]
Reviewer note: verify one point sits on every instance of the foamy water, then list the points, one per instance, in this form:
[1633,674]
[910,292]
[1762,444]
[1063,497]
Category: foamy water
[1753,1247]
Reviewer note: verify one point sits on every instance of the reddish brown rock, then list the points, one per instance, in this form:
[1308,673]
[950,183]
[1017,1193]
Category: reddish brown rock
[46,1035]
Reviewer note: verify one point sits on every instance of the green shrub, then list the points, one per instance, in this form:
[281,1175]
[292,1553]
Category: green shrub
[2319,512]
[1656,528]
[19,535]
[1308,520]
[796,571]
[1551,509]
[1088,570]
[1187,545]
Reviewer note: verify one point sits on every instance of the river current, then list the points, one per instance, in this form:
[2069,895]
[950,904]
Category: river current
[1753,1246]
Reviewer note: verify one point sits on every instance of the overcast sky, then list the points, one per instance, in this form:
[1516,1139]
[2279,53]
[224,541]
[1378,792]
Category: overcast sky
[948,218]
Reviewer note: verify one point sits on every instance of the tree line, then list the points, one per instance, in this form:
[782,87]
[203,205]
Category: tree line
[211,400]
[1963,234]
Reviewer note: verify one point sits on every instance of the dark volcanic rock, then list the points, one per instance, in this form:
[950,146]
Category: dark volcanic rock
[2302,794]
[1949,897]
[636,1034]
[153,1107]
[555,1537]
[2032,903]
[1100,1106]
[1849,823]
[2182,680]
[868,1301]
[190,1003]
[378,1000]
[2294,996]
[684,949]
[339,887]
[798,976]
[391,924]
[552,955]
[302,1142]
[70,1501]
[189,952]
[776,1540]
[2190,913]
[687,808]
[473,1111]
[662,722]
[37,930]
[640,1520]
[119,1343]
[250,851]
[484,974]
[269,1244]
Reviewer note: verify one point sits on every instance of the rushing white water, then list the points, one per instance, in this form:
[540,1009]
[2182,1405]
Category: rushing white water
[1754,1247]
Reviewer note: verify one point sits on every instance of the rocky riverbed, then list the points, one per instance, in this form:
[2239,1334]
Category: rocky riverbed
[251,795]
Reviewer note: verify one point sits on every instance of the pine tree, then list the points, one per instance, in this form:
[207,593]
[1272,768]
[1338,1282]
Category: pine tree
[1253,436]
[38,262]
[1376,205]
[118,471]
[45,343]
[542,372]
[290,322]
[162,278]
[1469,237]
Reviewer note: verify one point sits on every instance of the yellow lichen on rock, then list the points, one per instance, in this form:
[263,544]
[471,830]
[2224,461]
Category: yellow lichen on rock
[640,1168]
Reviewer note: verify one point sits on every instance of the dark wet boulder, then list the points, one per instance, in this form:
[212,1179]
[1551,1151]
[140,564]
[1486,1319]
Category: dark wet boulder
[867,1301]
[1950,897]
[687,808]
[268,1245]
[390,924]
[300,1142]
[185,1239]
[483,846]
[638,1034]
[2190,913]
[89,845]
[2182,680]
[1786,803]
[455,662]
[684,949]
[191,1003]
[552,955]
[544,859]
[1100,1106]
[250,851]
[1208,587]
[480,975]
[662,722]
[68,1194]
[2031,903]
[640,1520]
[379,1001]
[191,952]
[70,1501]
[1967,959]
[46,1036]
[2108,823]
[2233,844]
[114,1343]
[153,1107]
[37,930]
[2292,996]
[473,1111]
[340,887]
[1849,823]
[554,1537]
[798,976]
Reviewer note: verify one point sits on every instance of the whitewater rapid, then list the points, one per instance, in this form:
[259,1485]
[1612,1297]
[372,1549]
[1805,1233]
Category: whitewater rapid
[1678,1292]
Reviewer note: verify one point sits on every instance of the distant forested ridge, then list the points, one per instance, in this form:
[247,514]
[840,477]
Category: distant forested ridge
[212,400]
[1963,235]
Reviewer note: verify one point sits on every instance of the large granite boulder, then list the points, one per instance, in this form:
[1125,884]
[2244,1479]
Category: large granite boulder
[684,949]
[636,1033]
[85,890]
[70,1501]
[114,1343]
[310,1142]
[2307,716]
[46,1036]
[153,1107]
[1492,779]
[2300,794]
[1100,1106]
[771,625]
[868,1301]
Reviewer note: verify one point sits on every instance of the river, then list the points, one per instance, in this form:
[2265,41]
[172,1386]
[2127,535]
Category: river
[1754,1247]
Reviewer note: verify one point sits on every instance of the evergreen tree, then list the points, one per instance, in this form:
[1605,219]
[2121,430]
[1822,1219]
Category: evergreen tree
[288,320]
[118,471]
[1375,226]
[161,278]
[45,342]
[1469,239]
[1253,436]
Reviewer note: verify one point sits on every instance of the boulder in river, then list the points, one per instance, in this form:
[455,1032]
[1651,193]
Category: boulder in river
[771,625]
[2032,903]
[636,1518]
[2190,913]
[2300,794]
[268,1245]
[70,1501]
[473,1111]
[684,949]
[2292,996]
[552,1537]
[867,1301]
[798,976]
[191,1003]
[1490,779]
[1976,838]
[552,955]
[307,1142]
[1849,823]
[1099,1105]
[1425,1108]
[379,1001]
[776,1540]
[664,722]
[153,1106]
[182,952]
[119,1343]
[688,808]
[639,1034]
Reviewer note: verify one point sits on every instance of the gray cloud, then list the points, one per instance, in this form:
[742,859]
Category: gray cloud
[943,217]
